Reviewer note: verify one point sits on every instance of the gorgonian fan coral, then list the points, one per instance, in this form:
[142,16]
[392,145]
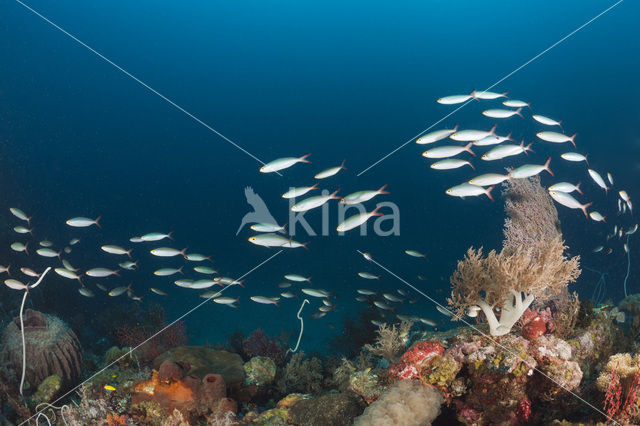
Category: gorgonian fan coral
[259,344]
[531,264]
[531,214]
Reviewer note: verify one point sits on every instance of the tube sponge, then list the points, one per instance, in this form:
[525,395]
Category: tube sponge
[406,403]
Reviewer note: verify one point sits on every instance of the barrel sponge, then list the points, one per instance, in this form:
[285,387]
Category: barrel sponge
[51,348]
[406,403]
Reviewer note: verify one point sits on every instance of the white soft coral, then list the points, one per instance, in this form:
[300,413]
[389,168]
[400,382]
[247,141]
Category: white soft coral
[512,310]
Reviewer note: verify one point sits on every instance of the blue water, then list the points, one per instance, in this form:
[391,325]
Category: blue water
[354,81]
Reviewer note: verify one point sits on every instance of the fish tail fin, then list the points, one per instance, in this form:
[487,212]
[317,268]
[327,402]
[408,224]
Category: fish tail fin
[25,248]
[604,219]
[304,245]
[304,158]
[518,112]
[97,221]
[586,160]
[509,137]
[31,231]
[528,148]
[240,283]
[473,94]
[455,128]
[578,188]
[546,166]
[117,273]
[80,281]
[505,94]
[571,139]
[309,280]
[333,195]
[129,253]
[606,190]
[375,211]
[209,258]
[169,235]
[492,132]
[8,272]
[183,252]
[468,148]
[314,186]
[60,255]
[381,190]
[471,165]
[584,208]
[342,164]
[284,227]
[488,192]
[560,124]
[180,270]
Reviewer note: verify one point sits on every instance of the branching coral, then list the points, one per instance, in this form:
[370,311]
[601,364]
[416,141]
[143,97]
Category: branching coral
[502,278]
[301,375]
[532,263]
[625,365]
[390,342]
[342,372]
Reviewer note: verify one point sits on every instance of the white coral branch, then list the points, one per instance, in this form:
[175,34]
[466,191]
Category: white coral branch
[511,311]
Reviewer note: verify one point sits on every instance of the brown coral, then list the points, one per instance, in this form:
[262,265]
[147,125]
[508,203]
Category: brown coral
[301,375]
[532,216]
[532,270]
[531,265]
[51,347]
[390,341]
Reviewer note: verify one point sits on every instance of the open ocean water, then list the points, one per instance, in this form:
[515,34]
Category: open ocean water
[350,81]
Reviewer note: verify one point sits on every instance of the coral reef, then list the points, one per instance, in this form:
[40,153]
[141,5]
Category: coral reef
[259,344]
[203,361]
[89,411]
[301,375]
[278,416]
[501,278]
[367,384]
[52,348]
[259,371]
[172,390]
[47,389]
[532,262]
[406,403]
[332,409]
[415,359]
[624,366]
[390,341]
